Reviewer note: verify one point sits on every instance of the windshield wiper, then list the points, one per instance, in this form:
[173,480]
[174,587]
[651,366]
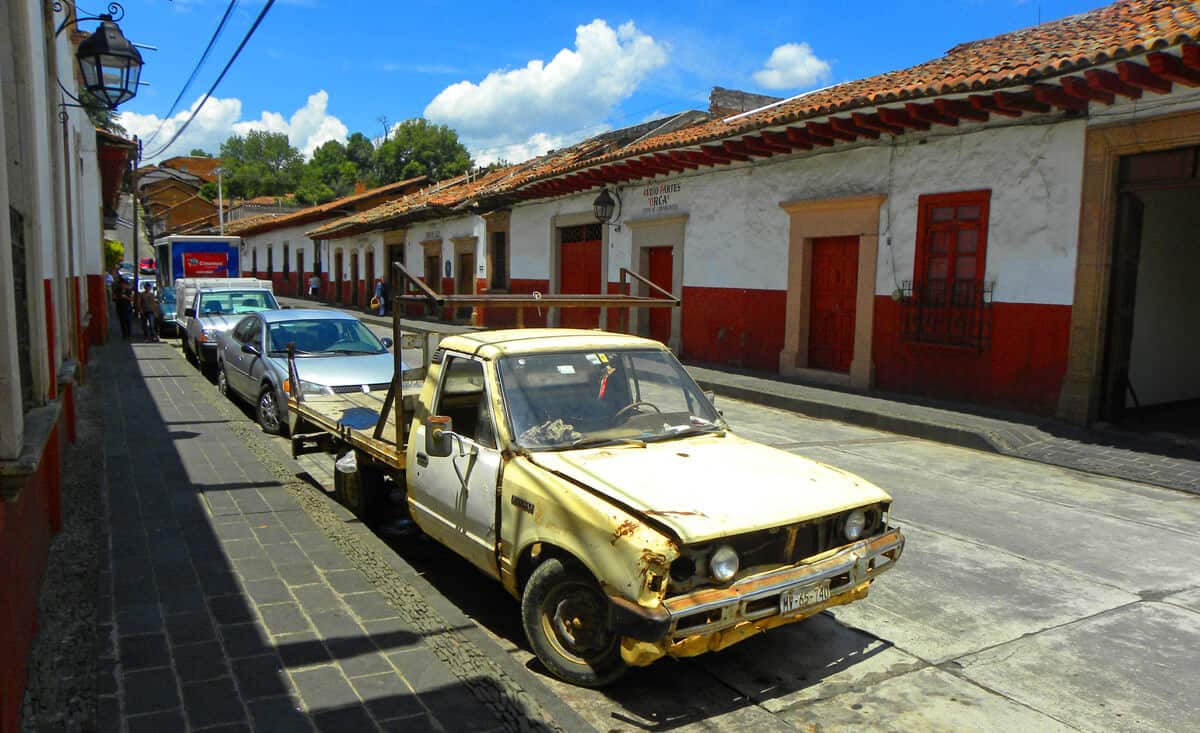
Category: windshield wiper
[680,431]
[596,442]
[350,351]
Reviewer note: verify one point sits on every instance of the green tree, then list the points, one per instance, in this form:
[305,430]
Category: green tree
[419,147]
[328,174]
[260,164]
[114,252]
[200,153]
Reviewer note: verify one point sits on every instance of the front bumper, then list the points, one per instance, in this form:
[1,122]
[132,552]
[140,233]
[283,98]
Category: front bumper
[714,618]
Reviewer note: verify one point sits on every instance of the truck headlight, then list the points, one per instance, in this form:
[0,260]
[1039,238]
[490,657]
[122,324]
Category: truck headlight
[856,521]
[208,334]
[723,564]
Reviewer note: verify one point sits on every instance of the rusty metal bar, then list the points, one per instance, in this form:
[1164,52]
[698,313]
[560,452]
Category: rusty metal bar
[665,293]
[396,391]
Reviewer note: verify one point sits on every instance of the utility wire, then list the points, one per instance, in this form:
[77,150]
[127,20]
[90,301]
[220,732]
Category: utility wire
[262,13]
[195,70]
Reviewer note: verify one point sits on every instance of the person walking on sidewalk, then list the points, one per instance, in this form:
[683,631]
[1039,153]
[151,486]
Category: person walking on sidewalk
[123,295]
[378,301]
[148,313]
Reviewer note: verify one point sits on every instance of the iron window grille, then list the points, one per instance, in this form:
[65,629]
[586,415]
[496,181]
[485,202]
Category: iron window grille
[949,313]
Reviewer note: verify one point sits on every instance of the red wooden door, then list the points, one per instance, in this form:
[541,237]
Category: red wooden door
[579,272]
[660,266]
[834,296]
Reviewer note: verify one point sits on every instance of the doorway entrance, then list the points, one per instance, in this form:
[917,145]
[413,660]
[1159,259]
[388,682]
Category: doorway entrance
[338,263]
[369,264]
[1152,357]
[464,282]
[354,287]
[580,272]
[833,307]
[660,269]
[301,280]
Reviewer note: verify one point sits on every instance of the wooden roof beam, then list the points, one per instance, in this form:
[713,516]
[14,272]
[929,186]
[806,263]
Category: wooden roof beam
[848,127]
[901,118]
[1110,82]
[826,130]
[664,161]
[800,135]
[761,147]
[1077,86]
[1173,69]
[679,158]
[735,149]
[959,108]
[1056,97]
[719,154]
[927,113]
[988,104]
[1019,102]
[1142,77]
[1190,55]
[873,122]
[781,140]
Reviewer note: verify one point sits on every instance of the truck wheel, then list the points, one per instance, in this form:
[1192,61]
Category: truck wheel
[223,382]
[565,615]
[267,410]
[363,492]
[187,351]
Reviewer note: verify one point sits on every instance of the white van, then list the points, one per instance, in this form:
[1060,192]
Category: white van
[187,287]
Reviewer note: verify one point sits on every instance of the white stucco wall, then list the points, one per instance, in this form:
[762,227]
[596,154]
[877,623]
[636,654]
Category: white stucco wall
[295,237]
[737,235]
[446,230]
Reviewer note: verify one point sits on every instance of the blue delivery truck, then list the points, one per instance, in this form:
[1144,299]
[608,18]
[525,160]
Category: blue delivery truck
[197,256]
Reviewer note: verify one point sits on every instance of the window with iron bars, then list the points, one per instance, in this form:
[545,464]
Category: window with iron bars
[947,302]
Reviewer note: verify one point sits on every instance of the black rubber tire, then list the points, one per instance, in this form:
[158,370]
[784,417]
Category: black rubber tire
[223,383]
[548,580]
[279,425]
[188,353]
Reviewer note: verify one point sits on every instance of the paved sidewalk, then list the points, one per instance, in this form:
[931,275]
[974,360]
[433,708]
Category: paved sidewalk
[224,603]
[1114,454]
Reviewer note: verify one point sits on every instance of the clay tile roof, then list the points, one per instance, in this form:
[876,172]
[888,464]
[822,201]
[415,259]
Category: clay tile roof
[1097,37]
[196,165]
[260,224]
[251,223]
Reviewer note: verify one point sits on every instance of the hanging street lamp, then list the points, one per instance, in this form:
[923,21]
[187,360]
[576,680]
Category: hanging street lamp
[110,65]
[604,206]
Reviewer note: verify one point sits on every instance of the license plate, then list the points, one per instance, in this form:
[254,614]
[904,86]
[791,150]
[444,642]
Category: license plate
[804,596]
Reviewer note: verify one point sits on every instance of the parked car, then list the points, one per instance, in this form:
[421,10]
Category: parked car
[214,311]
[334,352]
[166,313]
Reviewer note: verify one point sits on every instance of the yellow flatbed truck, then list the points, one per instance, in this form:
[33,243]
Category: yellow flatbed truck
[589,474]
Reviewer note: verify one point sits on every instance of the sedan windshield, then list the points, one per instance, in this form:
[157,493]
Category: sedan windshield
[324,336]
[233,302]
[579,399]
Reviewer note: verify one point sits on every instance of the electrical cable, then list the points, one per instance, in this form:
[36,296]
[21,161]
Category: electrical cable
[195,70]
[262,14]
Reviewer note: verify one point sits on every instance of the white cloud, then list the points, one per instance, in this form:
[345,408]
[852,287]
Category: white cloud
[792,66]
[542,105]
[307,128]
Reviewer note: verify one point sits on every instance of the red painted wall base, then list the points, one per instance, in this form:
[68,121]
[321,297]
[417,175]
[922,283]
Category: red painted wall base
[733,326]
[1022,368]
[26,527]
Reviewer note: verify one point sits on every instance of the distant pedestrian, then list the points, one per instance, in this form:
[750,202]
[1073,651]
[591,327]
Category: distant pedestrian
[377,300]
[123,295]
[148,312]
[314,285]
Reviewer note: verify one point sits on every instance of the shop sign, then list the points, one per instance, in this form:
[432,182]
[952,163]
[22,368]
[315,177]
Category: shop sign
[659,197]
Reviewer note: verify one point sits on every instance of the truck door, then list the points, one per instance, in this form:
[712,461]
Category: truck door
[454,497]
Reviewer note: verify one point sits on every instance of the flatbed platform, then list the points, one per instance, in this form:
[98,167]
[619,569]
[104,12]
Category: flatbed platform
[353,417]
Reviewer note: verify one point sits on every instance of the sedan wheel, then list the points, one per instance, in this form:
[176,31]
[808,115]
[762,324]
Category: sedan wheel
[268,412]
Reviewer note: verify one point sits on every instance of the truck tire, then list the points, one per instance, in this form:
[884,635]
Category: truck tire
[187,351]
[565,615]
[363,492]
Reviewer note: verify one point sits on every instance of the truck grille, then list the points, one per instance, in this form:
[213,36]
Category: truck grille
[778,545]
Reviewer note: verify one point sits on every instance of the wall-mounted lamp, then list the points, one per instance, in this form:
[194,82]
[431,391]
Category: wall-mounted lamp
[606,208]
[109,63]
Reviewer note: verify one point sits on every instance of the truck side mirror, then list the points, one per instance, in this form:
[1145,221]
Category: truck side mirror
[189,312]
[439,435]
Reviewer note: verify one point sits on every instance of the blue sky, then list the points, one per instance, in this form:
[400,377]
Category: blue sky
[518,78]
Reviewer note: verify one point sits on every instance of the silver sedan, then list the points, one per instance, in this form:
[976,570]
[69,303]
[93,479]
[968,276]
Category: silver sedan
[335,352]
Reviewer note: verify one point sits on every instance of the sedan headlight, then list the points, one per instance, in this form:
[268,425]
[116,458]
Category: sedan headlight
[312,389]
[856,522]
[723,564]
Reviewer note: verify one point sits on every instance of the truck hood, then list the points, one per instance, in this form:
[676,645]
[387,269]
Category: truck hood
[710,486]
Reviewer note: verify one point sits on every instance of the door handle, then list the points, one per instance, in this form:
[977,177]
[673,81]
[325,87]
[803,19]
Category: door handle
[422,459]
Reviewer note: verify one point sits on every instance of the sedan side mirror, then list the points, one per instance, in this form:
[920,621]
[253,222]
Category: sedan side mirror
[439,435]
[387,342]
[189,312]
[250,349]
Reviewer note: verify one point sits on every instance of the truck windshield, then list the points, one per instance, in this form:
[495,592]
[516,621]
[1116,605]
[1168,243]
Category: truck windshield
[233,302]
[581,399]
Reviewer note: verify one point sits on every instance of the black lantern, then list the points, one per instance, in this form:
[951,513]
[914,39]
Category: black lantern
[604,206]
[110,64]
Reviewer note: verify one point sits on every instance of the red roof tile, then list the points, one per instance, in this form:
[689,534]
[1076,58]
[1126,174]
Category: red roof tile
[266,223]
